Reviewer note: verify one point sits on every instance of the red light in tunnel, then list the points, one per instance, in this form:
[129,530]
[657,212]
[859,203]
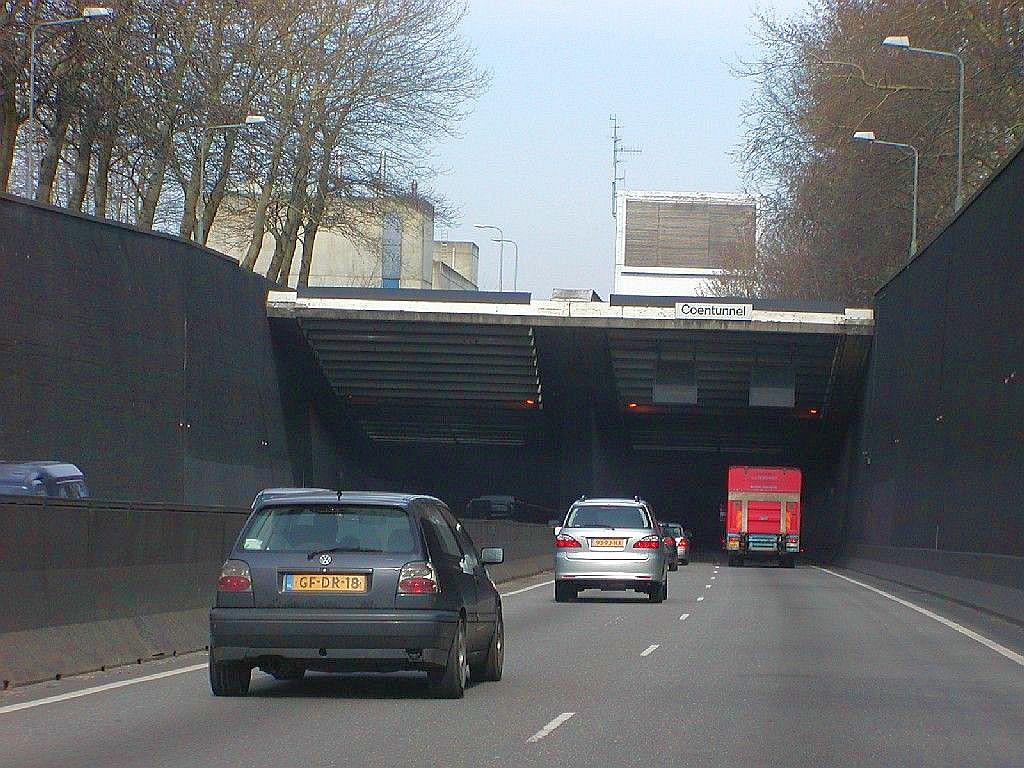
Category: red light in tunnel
[529,402]
[633,405]
[813,411]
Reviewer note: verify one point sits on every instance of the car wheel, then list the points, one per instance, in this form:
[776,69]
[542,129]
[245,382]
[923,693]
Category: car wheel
[450,682]
[674,567]
[229,678]
[564,591]
[685,562]
[492,668]
[658,592]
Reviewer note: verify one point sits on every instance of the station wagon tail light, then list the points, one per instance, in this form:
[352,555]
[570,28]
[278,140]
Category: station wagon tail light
[648,542]
[565,541]
[418,579]
[234,577]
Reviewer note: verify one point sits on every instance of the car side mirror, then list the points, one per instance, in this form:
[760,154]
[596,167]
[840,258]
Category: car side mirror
[492,555]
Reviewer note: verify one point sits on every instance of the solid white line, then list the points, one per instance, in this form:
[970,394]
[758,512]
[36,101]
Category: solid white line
[549,727]
[527,589]
[649,650]
[700,598]
[99,688]
[1002,650]
[684,617]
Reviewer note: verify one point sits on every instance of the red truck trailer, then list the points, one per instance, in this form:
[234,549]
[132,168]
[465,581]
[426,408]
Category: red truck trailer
[762,517]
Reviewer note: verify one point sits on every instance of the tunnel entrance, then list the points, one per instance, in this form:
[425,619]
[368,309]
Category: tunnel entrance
[468,395]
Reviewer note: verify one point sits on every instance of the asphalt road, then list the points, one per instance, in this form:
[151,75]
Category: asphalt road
[770,667]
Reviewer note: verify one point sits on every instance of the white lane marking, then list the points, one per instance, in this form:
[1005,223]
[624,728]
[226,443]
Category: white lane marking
[700,598]
[649,650]
[684,617]
[707,586]
[99,688]
[1002,650]
[527,589]
[713,578]
[549,727]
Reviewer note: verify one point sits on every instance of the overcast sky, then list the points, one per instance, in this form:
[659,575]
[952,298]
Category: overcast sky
[535,155]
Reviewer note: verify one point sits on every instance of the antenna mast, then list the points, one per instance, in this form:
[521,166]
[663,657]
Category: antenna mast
[617,151]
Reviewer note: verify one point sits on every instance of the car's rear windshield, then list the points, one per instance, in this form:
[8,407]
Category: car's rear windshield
[345,527]
[672,529]
[607,516]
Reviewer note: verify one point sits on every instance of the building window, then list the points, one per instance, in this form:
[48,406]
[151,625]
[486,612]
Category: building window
[391,251]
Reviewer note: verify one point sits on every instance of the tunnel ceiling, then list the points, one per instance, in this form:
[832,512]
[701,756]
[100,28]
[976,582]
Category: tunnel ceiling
[430,372]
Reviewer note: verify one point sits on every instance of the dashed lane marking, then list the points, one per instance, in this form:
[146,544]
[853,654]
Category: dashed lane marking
[649,650]
[1002,650]
[700,598]
[549,727]
[684,617]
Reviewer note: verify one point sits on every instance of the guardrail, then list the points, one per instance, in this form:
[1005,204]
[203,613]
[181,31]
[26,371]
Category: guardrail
[89,584]
[992,583]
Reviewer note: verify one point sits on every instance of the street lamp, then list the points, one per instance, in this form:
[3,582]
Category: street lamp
[200,200]
[903,42]
[501,250]
[869,137]
[89,13]
[515,267]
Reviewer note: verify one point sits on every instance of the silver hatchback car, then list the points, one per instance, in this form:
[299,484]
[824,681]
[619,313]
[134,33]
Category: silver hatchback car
[610,544]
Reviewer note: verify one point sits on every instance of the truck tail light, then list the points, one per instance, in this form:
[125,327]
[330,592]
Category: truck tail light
[648,542]
[565,541]
[234,577]
[793,543]
[417,579]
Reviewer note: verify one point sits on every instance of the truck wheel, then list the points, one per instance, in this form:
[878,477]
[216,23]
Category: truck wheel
[564,591]
[229,678]
[789,562]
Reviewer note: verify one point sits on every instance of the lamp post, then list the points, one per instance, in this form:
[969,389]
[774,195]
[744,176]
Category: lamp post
[200,200]
[903,42]
[869,137]
[515,263]
[89,13]
[501,250]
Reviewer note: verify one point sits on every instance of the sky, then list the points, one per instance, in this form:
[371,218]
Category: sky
[534,156]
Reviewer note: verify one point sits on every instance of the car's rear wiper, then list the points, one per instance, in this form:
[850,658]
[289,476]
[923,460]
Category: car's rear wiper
[319,552]
[606,527]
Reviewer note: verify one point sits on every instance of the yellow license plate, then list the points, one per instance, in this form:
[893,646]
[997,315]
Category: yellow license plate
[325,582]
[607,543]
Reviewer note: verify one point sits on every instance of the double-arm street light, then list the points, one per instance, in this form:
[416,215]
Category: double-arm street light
[903,42]
[869,137]
[515,263]
[200,200]
[89,13]
[501,249]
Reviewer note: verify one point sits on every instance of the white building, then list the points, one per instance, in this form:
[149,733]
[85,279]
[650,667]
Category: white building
[671,243]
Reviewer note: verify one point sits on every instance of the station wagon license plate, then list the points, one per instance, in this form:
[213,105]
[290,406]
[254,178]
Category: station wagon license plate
[325,582]
[607,543]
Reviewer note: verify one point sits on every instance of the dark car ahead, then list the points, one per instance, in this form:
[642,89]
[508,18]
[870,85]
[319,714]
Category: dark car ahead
[355,581]
[56,479]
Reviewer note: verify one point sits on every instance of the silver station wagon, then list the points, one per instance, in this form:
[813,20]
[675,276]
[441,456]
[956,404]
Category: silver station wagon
[610,544]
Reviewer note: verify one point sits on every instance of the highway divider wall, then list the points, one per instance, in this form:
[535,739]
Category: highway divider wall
[992,583]
[90,584]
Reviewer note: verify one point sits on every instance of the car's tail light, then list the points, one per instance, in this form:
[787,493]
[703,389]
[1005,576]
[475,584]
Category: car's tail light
[417,579]
[234,577]
[682,542]
[565,541]
[669,541]
[648,542]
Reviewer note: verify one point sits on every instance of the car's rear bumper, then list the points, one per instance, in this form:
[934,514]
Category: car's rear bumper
[594,573]
[384,640]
